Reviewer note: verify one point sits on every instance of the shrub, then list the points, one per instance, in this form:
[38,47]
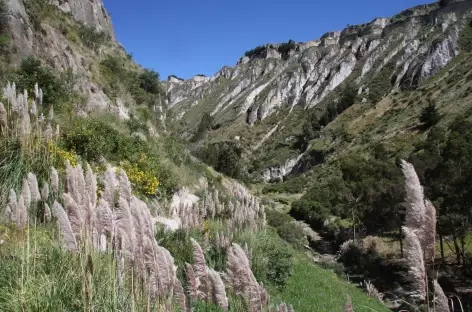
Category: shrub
[337,267]
[149,81]
[276,218]
[272,258]
[279,266]
[381,84]
[93,138]
[429,116]
[224,157]
[313,212]
[255,52]
[351,255]
[294,186]
[144,181]
[205,125]
[292,233]
[5,37]
[285,48]
[91,38]
[137,125]
[31,71]
[144,86]
[465,38]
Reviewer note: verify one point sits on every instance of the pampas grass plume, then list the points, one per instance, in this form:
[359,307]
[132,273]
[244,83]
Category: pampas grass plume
[45,191]
[65,228]
[47,213]
[217,291]
[34,189]
[26,193]
[3,118]
[200,269]
[414,258]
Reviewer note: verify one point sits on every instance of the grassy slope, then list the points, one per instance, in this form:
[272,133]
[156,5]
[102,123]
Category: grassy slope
[392,121]
[311,288]
[314,289]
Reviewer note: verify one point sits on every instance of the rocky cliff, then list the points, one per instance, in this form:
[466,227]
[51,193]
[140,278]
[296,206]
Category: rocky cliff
[54,32]
[270,83]
[92,13]
[417,42]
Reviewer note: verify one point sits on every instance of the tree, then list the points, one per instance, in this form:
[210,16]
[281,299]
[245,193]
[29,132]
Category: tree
[311,127]
[446,163]
[149,81]
[224,157]
[205,125]
[465,38]
[429,116]
[31,71]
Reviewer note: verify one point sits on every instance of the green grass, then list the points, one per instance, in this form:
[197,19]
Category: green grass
[44,277]
[313,289]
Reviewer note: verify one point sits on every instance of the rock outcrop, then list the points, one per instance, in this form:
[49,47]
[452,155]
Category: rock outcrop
[89,12]
[32,37]
[404,50]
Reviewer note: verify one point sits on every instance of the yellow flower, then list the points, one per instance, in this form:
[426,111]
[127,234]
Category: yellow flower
[63,154]
[144,182]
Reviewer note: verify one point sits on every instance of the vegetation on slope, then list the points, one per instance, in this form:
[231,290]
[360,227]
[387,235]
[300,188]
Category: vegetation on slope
[354,178]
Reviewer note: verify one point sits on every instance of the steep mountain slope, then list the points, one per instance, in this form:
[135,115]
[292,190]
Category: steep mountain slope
[265,99]
[75,37]
[118,236]
[321,127]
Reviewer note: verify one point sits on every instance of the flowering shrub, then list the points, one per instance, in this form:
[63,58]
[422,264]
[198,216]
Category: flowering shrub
[144,181]
[63,155]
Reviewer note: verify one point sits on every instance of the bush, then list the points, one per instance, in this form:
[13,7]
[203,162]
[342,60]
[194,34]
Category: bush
[137,125]
[276,218]
[5,38]
[287,228]
[429,116]
[465,38]
[272,258]
[224,157]
[144,181]
[205,125]
[285,48]
[279,266]
[293,186]
[381,84]
[255,52]
[292,233]
[144,85]
[313,212]
[91,38]
[94,138]
[31,71]
[149,81]
[337,267]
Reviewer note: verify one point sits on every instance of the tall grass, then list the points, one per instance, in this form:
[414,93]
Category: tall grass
[101,252]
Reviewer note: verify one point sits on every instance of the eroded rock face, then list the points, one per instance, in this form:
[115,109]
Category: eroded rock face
[407,49]
[277,173]
[262,85]
[52,45]
[90,12]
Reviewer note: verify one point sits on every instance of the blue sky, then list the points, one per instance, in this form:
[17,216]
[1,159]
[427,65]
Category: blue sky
[189,37]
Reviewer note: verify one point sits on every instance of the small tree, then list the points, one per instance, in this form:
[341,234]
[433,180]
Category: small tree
[205,125]
[465,38]
[149,81]
[429,116]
